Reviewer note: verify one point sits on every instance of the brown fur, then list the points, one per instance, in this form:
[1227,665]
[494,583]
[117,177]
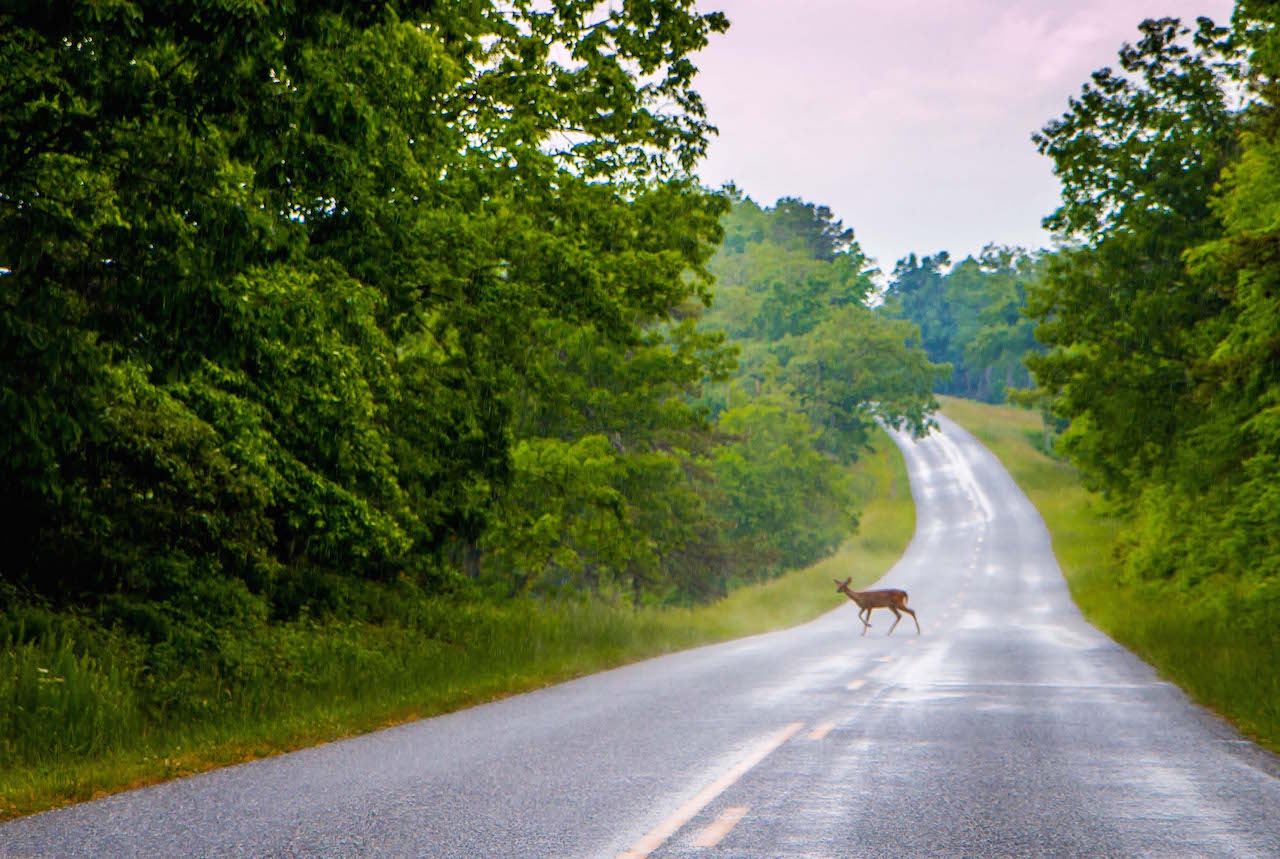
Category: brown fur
[891,598]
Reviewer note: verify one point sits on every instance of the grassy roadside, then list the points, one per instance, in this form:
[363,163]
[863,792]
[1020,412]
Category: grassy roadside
[314,682]
[1223,658]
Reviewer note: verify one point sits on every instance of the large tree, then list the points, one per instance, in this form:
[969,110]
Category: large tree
[1161,321]
[272,272]
[1138,154]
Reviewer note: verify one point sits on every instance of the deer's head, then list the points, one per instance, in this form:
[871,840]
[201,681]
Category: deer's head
[842,587]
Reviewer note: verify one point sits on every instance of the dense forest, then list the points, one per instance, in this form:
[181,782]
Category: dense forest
[971,315]
[1160,311]
[326,326]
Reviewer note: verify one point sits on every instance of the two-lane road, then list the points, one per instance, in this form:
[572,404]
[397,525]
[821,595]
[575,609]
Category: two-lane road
[1009,728]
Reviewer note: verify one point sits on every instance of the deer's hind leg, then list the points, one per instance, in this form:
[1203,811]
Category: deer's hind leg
[896,617]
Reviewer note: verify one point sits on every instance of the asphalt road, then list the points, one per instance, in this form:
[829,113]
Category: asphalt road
[1009,728]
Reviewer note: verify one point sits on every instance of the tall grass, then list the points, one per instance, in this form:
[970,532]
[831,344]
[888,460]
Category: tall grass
[45,683]
[1217,641]
[79,716]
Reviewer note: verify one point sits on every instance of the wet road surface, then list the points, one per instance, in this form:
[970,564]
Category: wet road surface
[1009,728]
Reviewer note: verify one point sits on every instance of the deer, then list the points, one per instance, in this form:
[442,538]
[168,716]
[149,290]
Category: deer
[891,598]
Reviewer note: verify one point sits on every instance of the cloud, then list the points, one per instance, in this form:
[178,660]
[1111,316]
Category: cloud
[910,119]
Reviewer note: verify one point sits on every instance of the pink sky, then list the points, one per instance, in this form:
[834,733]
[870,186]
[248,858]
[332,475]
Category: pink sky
[911,119]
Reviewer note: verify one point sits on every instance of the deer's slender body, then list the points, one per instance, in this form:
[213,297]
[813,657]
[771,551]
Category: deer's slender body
[891,598]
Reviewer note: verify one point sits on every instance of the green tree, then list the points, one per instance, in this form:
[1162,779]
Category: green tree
[918,292]
[780,490]
[606,489]
[816,369]
[994,353]
[1222,499]
[970,316]
[854,369]
[271,272]
[1138,154]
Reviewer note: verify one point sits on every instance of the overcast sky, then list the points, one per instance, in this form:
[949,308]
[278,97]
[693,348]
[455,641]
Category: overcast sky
[910,119]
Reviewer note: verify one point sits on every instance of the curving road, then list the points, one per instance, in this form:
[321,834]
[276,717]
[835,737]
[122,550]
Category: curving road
[1011,727]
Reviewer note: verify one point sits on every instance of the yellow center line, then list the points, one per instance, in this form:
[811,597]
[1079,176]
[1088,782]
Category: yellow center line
[712,835]
[821,730]
[855,685]
[685,813]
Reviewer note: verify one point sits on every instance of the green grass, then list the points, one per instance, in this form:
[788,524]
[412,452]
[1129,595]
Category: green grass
[1214,641]
[303,683]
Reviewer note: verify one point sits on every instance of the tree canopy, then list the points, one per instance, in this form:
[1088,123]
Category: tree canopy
[1159,317]
[970,316]
[274,274]
[817,369]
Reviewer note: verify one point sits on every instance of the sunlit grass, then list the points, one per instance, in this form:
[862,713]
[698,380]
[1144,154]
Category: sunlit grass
[311,682]
[1215,643]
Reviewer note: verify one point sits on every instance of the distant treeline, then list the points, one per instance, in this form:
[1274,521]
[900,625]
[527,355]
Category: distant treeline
[972,316]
